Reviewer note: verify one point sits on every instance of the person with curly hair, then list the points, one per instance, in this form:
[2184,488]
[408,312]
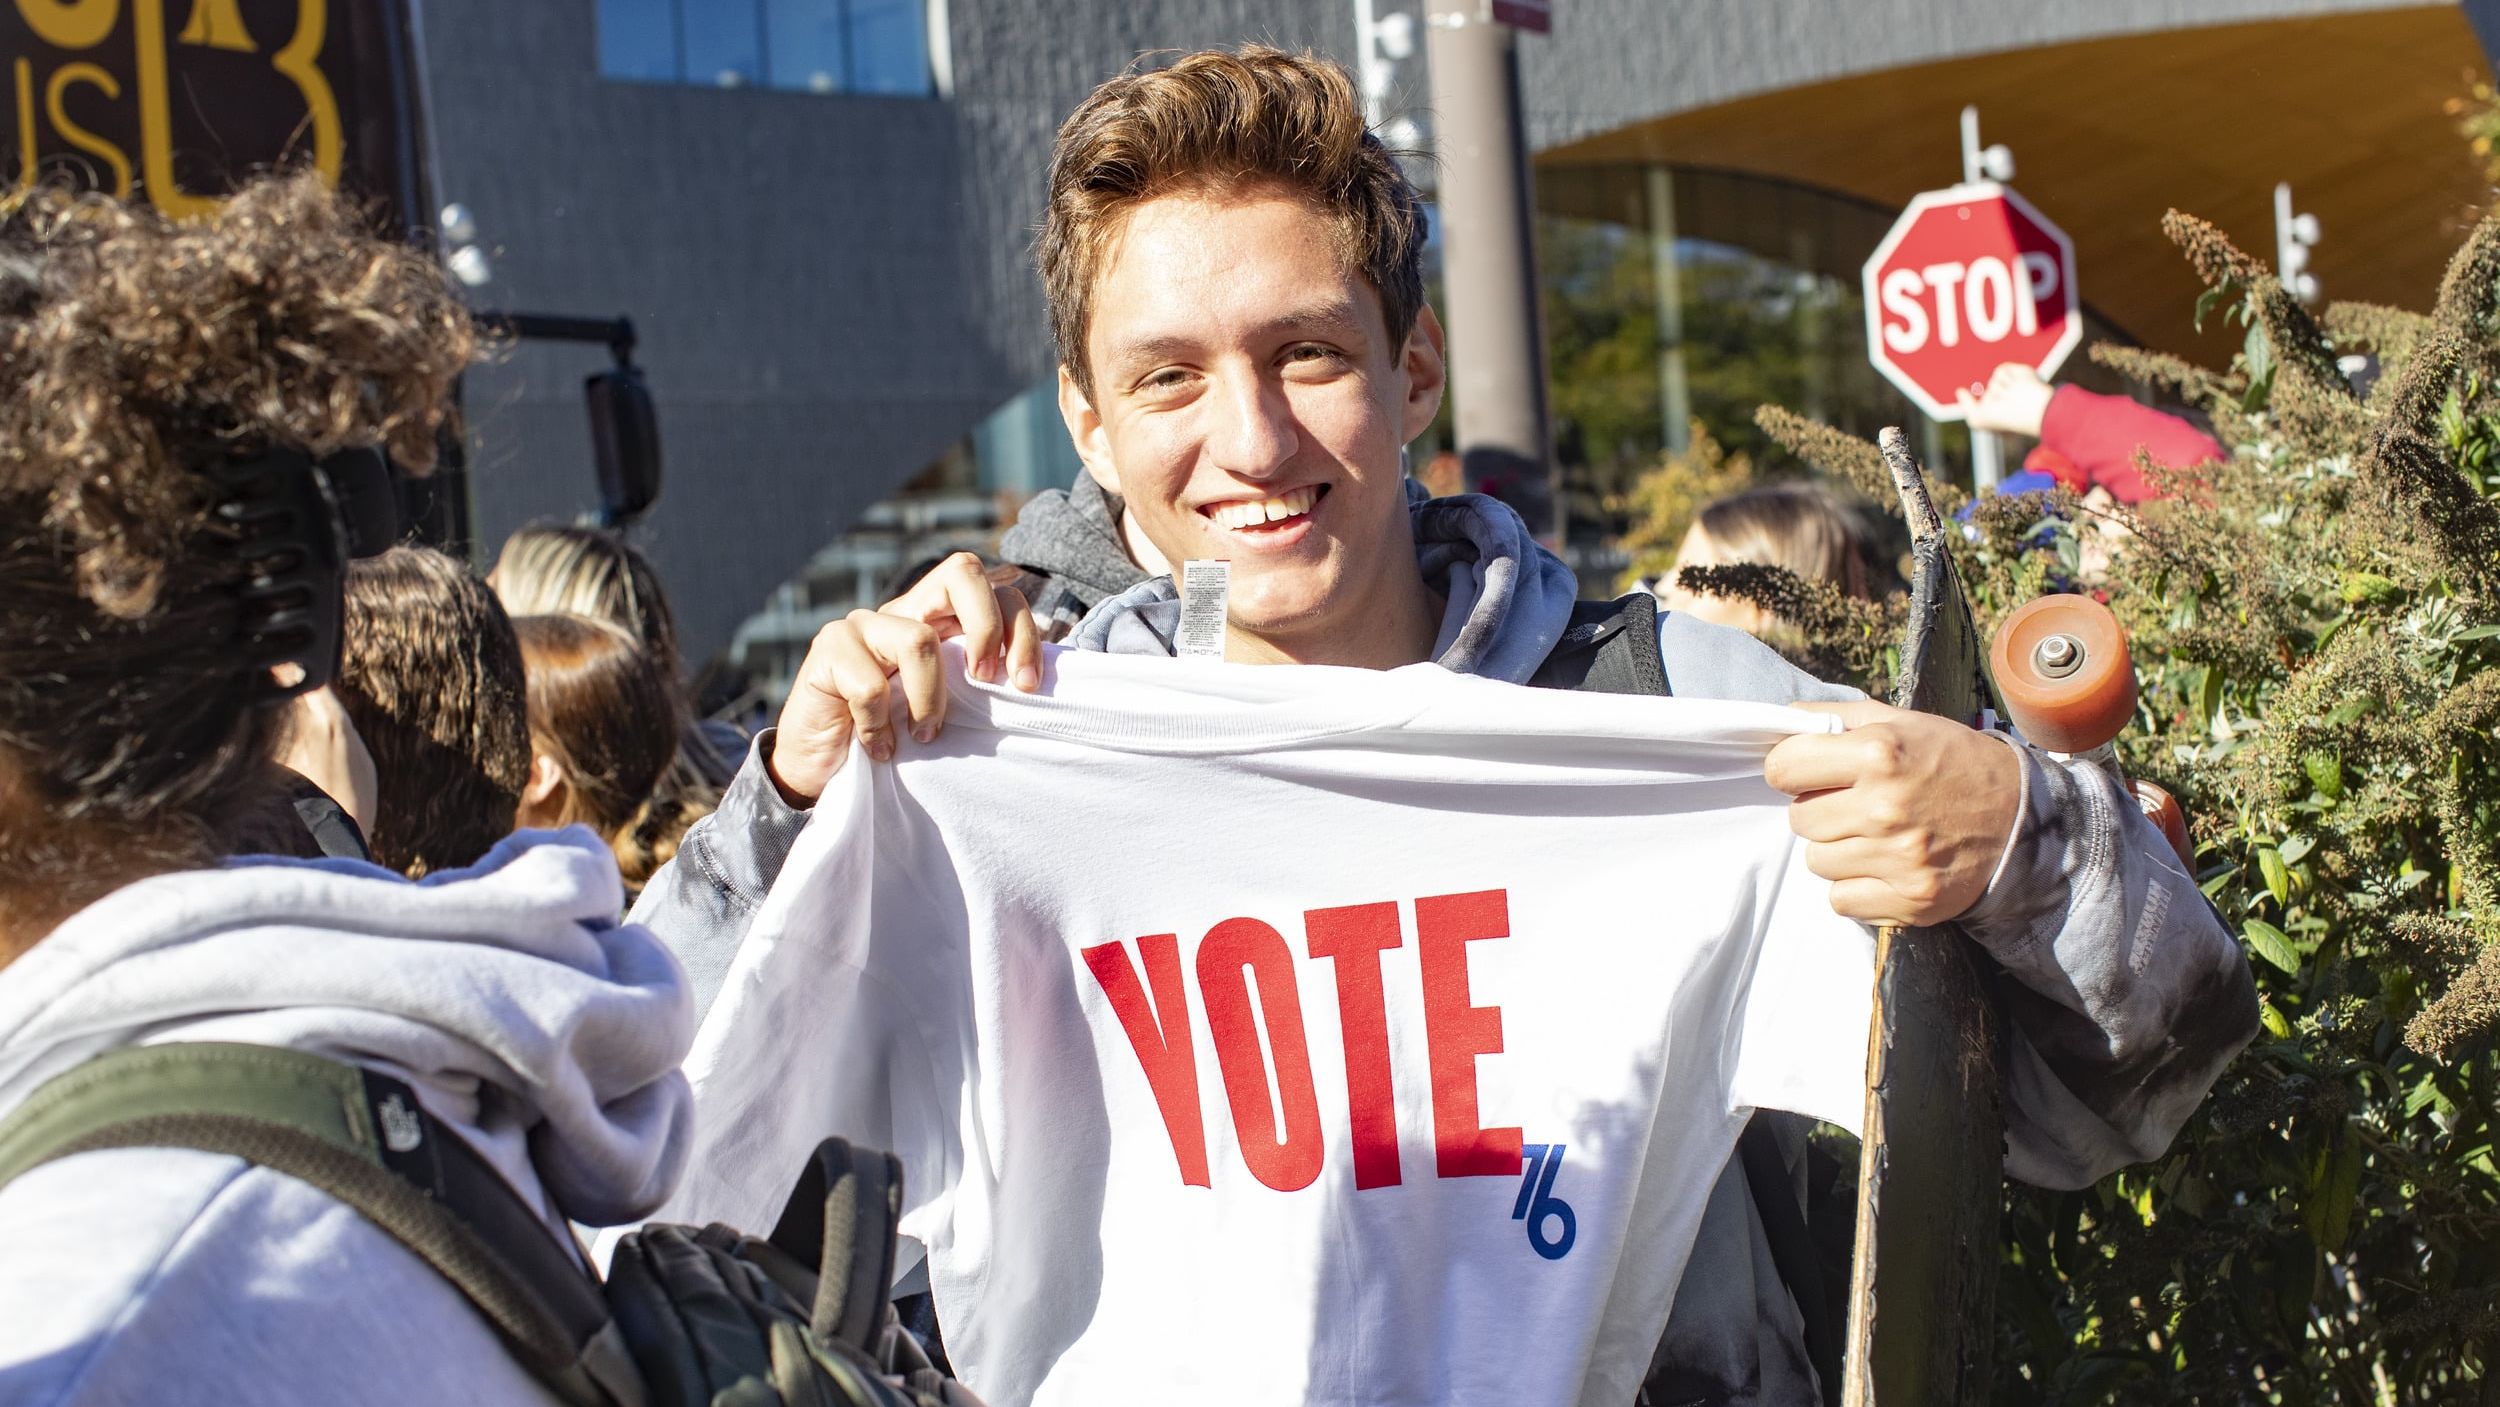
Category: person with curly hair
[433,680]
[161,386]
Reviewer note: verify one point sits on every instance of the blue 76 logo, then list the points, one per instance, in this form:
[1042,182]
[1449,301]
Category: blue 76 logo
[1537,1203]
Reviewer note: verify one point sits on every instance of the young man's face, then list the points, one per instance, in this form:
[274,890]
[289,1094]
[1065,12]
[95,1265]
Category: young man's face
[1248,404]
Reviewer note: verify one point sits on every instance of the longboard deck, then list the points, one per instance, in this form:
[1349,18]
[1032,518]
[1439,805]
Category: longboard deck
[1923,1284]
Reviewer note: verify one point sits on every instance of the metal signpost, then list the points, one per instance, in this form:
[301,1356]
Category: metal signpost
[2294,236]
[1970,278]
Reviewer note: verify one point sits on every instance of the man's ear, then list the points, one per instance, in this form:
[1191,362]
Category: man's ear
[1427,373]
[1085,428]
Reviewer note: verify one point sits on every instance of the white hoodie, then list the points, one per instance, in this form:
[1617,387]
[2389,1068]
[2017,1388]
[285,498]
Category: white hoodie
[506,995]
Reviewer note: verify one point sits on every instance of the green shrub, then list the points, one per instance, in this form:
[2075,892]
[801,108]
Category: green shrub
[2316,625]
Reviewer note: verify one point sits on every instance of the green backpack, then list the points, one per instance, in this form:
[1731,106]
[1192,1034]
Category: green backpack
[687,1317]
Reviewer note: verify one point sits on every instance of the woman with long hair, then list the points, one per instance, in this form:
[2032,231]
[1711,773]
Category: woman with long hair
[600,741]
[553,569]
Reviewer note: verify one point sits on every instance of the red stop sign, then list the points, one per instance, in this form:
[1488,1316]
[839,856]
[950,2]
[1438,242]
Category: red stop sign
[1968,279]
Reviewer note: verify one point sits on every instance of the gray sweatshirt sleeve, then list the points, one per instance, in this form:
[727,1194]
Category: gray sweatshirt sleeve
[701,902]
[2128,995]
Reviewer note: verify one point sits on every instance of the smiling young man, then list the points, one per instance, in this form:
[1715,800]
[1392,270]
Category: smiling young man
[1233,269]
[1245,390]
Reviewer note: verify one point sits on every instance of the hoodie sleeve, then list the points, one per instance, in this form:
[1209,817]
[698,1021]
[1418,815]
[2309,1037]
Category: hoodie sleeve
[2127,996]
[702,902]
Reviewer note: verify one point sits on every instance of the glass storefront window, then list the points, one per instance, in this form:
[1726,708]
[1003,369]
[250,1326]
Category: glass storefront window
[723,45]
[638,39]
[806,42]
[816,46]
[889,46]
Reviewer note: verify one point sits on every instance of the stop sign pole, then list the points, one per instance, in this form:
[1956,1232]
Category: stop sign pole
[1970,278]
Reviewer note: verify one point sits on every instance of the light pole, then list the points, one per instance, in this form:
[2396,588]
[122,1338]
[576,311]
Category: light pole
[2294,237]
[1496,333]
[1382,41]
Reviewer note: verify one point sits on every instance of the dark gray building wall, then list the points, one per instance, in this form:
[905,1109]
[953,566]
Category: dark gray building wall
[831,289]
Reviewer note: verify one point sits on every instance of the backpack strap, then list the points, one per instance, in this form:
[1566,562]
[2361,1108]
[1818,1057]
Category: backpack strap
[840,1219]
[361,1137]
[1610,647]
[1792,1247]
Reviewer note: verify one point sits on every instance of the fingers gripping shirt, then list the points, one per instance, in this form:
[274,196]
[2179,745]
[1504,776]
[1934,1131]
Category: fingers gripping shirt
[1353,1037]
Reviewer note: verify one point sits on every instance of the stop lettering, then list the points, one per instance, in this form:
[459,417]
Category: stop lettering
[1968,279]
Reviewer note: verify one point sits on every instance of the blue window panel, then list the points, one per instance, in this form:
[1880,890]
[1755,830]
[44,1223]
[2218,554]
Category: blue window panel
[889,47]
[724,42]
[805,42]
[638,40]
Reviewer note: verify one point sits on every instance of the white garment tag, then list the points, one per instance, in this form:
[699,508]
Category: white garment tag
[1204,585]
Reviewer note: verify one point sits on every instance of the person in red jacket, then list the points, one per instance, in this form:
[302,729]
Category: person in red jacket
[2087,441]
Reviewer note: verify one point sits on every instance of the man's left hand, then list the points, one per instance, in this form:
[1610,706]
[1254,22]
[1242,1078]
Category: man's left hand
[1905,813]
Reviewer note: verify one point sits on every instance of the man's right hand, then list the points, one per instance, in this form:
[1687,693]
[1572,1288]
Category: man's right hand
[847,681]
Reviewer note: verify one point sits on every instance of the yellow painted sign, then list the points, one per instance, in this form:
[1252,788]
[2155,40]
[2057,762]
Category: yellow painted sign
[176,100]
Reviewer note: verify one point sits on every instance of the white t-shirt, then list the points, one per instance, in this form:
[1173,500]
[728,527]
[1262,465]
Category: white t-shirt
[1271,1035]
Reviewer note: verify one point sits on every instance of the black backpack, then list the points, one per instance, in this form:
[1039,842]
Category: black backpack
[1611,647]
[686,1318]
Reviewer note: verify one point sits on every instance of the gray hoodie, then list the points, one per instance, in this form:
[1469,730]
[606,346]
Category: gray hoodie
[2131,999]
[506,995]
[1067,543]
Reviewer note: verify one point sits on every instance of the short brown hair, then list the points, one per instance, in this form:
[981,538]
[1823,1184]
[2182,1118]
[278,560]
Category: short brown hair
[1217,120]
[134,351]
[434,681]
[599,706]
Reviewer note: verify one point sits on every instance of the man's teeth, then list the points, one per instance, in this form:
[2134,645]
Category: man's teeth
[1252,512]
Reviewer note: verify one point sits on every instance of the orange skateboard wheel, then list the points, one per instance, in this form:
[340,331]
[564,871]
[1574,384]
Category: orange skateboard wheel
[2062,671]
[2163,810]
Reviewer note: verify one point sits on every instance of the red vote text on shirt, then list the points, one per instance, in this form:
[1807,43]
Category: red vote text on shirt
[1155,1013]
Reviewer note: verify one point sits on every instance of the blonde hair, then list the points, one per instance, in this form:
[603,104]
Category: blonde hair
[552,569]
[1218,120]
[599,707]
[1802,527]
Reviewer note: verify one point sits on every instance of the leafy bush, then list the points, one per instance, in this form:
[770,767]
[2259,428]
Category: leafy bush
[1664,501]
[2316,625]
